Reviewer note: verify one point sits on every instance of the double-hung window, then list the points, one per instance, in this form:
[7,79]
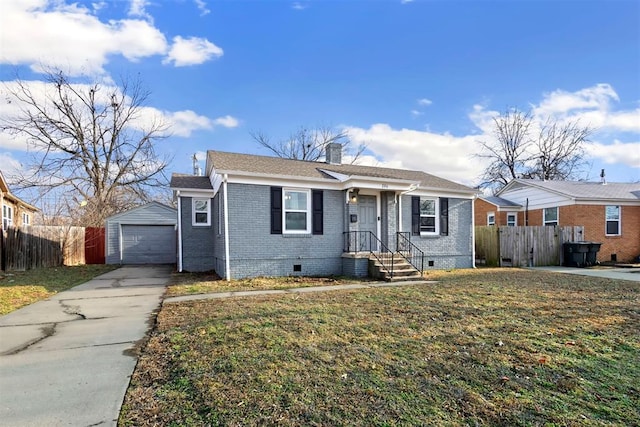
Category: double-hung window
[26,220]
[201,212]
[512,220]
[550,216]
[612,220]
[428,216]
[491,218]
[7,216]
[296,212]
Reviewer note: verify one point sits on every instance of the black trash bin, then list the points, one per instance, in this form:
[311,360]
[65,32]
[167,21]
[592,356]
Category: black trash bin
[575,254]
[592,255]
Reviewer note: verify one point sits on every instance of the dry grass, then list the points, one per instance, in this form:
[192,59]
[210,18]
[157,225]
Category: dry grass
[202,283]
[488,347]
[20,288]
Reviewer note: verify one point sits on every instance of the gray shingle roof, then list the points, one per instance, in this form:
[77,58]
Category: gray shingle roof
[499,201]
[589,190]
[179,180]
[274,166]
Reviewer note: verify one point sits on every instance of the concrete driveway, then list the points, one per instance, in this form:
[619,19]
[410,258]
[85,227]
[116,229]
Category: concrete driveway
[67,360]
[606,272]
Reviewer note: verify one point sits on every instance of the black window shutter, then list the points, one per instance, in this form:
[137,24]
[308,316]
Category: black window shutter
[415,215]
[317,209]
[444,216]
[276,210]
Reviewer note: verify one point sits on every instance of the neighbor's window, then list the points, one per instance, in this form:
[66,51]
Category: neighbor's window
[201,212]
[296,211]
[612,220]
[428,215]
[491,219]
[551,216]
[7,217]
[25,219]
[512,220]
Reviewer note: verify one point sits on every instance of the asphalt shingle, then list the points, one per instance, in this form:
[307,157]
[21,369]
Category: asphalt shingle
[265,165]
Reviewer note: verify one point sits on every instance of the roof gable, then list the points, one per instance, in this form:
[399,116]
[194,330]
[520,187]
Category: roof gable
[580,190]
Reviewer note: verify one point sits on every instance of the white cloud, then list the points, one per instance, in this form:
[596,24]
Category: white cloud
[562,102]
[416,113]
[424,102]
[180,123]
[138,8]
[299,6]
[202,7]
[226,121]
[405,1]
[619,152]
[592,106]
[443,155]
[191,51]
[184,123]
[10,166]
[73,38]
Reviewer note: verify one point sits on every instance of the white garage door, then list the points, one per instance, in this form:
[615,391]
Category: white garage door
[148,244]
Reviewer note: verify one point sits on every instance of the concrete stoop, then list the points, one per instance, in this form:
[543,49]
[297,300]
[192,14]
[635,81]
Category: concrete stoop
[402,269]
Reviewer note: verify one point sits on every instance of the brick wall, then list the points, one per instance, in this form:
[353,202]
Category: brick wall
[254,251]
[198,243]
[482,209]
[626,247]
[445,252]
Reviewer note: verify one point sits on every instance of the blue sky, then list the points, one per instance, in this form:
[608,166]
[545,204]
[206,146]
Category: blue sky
[417,81]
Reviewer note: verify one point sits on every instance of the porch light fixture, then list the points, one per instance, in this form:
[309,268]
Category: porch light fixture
[353,195]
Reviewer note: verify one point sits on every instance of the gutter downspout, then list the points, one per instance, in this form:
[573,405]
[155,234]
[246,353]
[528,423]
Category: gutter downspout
[473,231]
[179,232]
[402,193]
[227,263]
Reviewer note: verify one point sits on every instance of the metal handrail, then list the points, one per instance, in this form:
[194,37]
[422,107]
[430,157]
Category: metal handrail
[363,241]
[404,243]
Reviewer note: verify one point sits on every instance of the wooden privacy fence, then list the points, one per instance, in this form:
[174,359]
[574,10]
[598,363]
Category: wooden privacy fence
[32,246]
[523,246]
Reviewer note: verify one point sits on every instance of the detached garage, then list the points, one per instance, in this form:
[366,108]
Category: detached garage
[144,235]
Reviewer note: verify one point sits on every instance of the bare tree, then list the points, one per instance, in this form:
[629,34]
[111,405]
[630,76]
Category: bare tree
[555,153]
[560,148]
[507,153]
[309,143]
[91,145]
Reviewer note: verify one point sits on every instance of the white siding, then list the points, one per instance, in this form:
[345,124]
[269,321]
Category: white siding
[538,199]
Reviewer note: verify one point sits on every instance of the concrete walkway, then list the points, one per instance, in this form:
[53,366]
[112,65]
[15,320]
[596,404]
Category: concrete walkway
[605,272]
[363,285]
[67,360]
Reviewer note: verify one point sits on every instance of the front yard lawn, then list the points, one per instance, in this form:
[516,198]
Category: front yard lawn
[202,283]
[20,288]
[485,347]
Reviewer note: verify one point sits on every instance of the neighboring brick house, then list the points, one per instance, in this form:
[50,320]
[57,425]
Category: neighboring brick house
[266,216]
[15,211]
[492,210]
[609,212]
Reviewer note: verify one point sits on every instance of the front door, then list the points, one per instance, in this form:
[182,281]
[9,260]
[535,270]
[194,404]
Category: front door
[368,221]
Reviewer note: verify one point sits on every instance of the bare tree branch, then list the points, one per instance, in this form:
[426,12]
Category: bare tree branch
[555,153]
[90,145]
[309,143]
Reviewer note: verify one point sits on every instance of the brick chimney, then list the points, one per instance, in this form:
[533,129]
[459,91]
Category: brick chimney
[333,156]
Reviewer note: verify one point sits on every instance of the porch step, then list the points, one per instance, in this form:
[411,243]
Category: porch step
[402,270]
